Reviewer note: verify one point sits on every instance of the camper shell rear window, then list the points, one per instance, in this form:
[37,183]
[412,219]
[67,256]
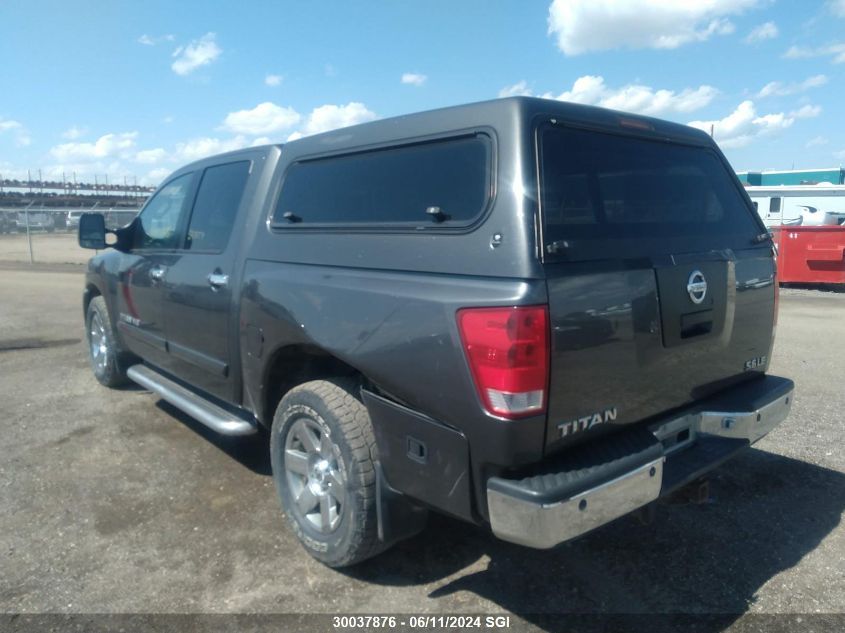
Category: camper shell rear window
[607,196]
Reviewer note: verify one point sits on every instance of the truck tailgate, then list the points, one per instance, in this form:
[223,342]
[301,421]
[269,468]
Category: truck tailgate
[629,344]
[661,287]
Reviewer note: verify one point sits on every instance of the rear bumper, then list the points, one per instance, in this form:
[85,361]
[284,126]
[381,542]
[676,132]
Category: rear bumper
[602,481]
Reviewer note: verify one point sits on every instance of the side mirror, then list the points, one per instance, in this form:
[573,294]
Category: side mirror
[92,231]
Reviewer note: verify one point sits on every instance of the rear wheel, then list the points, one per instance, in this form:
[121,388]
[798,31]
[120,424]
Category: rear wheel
[107,363]
[323,452]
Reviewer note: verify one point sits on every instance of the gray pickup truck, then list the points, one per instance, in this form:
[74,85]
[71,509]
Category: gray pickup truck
[527,314]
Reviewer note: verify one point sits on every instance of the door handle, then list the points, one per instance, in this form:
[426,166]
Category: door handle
[218,281]
[157,274]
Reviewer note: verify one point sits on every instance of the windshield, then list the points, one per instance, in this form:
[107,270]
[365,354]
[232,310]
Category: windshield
[610,196]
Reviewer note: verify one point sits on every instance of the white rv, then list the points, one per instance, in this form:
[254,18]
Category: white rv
[807,205]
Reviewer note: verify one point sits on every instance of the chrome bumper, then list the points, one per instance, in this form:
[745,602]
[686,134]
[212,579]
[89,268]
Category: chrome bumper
[543,524]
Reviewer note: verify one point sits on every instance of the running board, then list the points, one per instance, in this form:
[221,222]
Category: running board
[214,417]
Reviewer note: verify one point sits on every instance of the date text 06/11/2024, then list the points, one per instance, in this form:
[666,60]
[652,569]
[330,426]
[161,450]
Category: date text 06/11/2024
[422,621]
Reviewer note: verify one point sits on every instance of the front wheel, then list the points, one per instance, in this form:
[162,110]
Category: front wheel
[323,453]
[106,360]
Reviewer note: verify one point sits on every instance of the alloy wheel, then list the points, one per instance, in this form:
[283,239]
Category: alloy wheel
[315,479]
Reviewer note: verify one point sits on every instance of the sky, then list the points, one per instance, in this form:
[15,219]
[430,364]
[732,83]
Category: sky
[131,89]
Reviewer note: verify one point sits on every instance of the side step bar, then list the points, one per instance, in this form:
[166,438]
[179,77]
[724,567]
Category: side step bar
[214,417]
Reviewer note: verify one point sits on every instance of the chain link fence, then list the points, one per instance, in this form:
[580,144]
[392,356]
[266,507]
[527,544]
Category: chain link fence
[36,233]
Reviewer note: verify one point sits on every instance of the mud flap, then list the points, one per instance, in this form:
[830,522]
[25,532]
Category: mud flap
[398,517]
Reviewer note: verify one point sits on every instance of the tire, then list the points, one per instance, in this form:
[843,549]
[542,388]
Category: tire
[327,484]
[107,362]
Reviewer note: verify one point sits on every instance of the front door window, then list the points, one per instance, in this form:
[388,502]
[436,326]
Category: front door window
[158,224]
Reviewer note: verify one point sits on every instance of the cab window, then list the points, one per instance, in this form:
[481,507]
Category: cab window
[159,223]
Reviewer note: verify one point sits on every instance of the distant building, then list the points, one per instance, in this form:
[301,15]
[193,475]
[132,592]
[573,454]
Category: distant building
[832,175]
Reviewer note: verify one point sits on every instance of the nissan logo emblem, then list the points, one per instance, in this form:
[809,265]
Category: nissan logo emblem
[697,287]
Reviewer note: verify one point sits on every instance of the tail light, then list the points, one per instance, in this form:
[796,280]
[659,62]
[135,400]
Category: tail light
[508,354]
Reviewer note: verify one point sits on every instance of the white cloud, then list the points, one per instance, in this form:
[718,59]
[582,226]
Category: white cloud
[273,80]
[743,125]
[765,31]
[797,52]
[108,145]
[817,141]
[806,112]
[414,79]
[149,40]
[265,118]
[580,26]
[198,53]
[836,51]
[73,133]
[837,7]
[331,117]
[151,156]
[197,148]
[7,124]
[155,176]
[12,171]
[16,130]
[781,89]
[519,89]
[592,90]
[840,155]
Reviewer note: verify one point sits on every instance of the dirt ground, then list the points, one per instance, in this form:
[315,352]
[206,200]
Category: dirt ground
[47,248]
[115,502]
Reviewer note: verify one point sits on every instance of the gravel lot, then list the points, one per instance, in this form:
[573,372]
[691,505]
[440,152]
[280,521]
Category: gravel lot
[49,248]
[111,501]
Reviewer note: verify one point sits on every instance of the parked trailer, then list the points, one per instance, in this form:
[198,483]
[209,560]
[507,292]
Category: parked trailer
[799,204]
[808,224]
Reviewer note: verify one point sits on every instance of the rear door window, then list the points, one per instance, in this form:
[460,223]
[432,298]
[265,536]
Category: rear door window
[218,198]
[393,186]
[605,195]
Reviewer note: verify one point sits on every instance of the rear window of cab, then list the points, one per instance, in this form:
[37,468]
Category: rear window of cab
[445,183]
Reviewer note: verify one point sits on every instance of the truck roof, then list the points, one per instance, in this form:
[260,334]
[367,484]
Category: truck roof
[496,114]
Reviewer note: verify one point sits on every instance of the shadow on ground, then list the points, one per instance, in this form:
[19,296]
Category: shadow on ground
[252,452]
[765,514]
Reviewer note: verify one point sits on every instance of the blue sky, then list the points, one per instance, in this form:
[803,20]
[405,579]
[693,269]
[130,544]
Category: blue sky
[134,89]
